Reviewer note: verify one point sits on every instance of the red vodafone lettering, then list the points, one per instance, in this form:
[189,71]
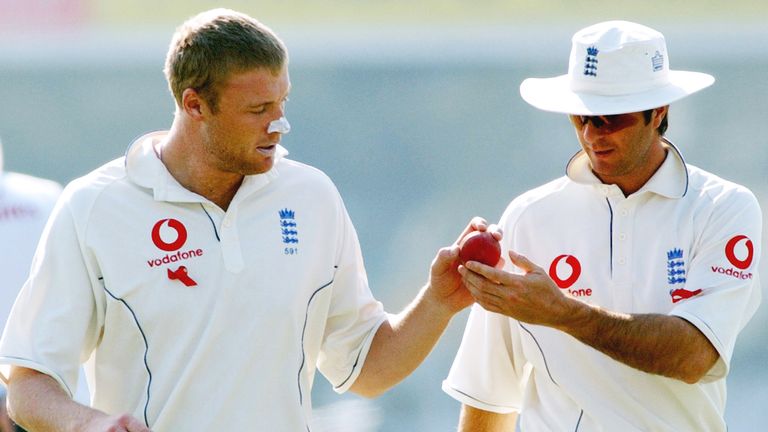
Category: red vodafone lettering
[575,265]
[730,253]
[181,235]
[175,254]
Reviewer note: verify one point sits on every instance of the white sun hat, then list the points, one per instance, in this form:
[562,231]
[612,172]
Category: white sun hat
[616,67]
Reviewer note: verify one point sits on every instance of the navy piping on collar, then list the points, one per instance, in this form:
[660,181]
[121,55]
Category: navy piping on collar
[665,140]
[571,160]
[544,357]
[146,348]
[215,230]
[680,155]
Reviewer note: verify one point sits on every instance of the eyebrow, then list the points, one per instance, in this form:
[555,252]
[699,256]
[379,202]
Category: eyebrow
[259,104]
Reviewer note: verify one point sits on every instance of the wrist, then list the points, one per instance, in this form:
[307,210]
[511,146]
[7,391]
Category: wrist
[576,317]
[436,306]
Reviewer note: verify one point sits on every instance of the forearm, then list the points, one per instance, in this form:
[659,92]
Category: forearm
[401,344]
[474,420]
[37,403]
[658,344]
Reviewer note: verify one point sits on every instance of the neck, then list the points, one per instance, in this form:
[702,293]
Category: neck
[184,158]
[632,183]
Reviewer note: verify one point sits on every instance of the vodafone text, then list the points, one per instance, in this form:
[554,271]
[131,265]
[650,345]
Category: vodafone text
[580,292]
[731,272]
[178,256]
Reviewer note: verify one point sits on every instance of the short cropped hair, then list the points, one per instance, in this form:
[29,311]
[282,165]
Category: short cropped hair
[209,47]
[662,129]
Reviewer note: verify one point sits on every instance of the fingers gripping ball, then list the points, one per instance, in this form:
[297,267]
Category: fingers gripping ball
[480,246]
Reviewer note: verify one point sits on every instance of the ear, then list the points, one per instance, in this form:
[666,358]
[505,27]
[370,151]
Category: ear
[193,104]
[661,112]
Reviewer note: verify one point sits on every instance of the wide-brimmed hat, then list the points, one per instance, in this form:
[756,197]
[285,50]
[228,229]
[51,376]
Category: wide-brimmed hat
[616,67]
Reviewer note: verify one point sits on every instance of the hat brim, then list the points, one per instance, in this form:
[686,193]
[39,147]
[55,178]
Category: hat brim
[554,94]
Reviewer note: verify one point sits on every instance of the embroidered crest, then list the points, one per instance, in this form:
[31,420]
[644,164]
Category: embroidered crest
[289,231]
[658,62]
[590,62]
[676,276]
[675,267]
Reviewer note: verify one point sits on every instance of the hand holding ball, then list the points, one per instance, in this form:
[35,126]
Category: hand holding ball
[480,246]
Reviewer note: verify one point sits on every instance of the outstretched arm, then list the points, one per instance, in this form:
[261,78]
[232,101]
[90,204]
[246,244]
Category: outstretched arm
[654,343]
[37,403]
[476,420]
[404,340]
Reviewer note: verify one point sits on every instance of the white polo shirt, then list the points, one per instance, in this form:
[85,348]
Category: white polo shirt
[686,244]
[189,317]
[25,203]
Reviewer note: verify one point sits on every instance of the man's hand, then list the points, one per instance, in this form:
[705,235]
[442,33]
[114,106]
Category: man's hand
[633,339]
[445,282]
[531,297]
[404,340]
[38,403]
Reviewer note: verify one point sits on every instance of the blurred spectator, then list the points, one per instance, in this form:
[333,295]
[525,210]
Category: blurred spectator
[25,203]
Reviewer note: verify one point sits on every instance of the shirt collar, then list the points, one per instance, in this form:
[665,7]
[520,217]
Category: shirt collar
[144,168]
[670,180]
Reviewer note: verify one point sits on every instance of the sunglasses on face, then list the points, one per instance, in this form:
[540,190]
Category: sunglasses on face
[606,123]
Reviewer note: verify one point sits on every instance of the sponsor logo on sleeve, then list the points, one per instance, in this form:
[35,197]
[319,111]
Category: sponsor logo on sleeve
[565,271]
[739,251]
[170,235]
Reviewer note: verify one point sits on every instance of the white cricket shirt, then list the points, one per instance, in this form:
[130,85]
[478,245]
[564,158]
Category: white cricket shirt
[189,317]
[25,204]
[686,244]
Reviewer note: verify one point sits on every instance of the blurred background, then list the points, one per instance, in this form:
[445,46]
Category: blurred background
[413,109]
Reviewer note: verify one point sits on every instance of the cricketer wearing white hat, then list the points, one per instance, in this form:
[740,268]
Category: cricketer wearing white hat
[629,278]
[615,67]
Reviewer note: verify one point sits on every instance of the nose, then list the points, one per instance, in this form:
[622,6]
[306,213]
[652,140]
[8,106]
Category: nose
[280,125]
[589,132]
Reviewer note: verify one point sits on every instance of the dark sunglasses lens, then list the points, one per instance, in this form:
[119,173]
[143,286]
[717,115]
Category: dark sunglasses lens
[595,120]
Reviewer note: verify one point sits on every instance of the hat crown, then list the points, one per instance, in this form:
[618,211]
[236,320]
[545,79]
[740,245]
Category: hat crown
[618,58]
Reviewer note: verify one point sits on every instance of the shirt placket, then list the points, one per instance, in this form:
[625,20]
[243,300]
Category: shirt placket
[231,251]
[622,259]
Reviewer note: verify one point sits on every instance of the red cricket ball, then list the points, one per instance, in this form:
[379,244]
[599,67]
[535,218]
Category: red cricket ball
[480,246]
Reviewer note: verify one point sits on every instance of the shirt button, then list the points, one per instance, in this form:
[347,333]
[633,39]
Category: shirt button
[226,223]
[622,261]
[622,236]
[624,212]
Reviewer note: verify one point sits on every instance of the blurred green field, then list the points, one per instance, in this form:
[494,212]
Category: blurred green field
[332,12]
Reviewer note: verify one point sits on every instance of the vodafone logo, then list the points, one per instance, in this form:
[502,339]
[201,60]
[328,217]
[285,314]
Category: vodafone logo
[181,235]
[170,235]
[730,252]
[575,265]
[739,251]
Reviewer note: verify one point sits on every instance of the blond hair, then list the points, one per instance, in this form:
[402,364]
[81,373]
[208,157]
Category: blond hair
[209,47]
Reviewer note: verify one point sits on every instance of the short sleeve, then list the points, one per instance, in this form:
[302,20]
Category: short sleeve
[723,271]
[489,371]
[51,327]
[354,314]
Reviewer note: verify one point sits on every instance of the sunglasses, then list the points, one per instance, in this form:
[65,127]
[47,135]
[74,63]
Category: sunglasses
[606,123]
